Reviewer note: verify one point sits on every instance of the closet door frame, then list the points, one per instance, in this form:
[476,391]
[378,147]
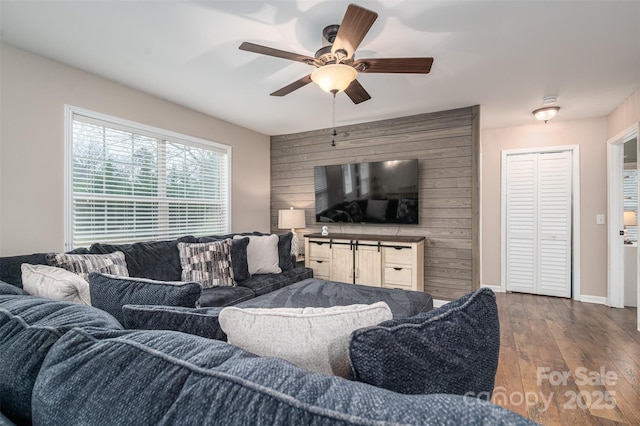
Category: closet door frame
[575,244]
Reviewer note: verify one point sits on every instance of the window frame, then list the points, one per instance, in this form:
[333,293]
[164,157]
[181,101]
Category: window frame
[144,129]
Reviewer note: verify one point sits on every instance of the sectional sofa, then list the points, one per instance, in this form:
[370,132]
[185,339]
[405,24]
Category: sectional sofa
[69,363]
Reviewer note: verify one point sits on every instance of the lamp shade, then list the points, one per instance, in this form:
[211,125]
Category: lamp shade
[334,78]
[291,219]
[630,218]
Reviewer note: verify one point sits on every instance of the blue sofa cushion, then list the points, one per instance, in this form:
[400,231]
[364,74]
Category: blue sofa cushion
[318,293]
[225,296]
[156,260]
[10,266]
[110,293]
[29,326]
[11,289]
[452,349]
[266,283]
[199,321]
[166,377]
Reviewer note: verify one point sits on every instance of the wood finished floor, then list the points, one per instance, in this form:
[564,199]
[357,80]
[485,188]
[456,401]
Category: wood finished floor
[599,346]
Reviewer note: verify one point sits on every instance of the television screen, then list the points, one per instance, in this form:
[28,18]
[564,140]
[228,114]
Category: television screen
[378,192]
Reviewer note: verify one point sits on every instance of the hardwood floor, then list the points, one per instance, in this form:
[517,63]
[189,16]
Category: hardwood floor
[564,362]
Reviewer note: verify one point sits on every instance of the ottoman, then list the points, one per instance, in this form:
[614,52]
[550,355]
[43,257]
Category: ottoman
[318,293]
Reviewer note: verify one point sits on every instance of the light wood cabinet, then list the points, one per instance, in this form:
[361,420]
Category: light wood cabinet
[378,261]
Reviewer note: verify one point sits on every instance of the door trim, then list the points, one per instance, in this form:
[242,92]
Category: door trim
[615,200]
[575,205]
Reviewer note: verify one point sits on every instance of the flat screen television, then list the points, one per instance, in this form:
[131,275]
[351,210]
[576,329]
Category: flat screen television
[376,192]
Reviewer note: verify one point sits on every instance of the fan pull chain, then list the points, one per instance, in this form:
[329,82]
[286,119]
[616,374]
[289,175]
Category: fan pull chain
[333,118]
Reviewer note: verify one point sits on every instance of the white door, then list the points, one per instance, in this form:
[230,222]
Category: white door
[538,223]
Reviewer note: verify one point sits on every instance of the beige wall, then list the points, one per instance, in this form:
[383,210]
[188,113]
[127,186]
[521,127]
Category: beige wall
[591,136]
[626,115]
[34,91]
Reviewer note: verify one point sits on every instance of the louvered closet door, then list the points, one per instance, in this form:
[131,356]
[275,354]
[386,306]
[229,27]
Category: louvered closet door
[538,190]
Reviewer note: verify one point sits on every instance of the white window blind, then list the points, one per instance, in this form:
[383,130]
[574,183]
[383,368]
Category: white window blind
[128,182]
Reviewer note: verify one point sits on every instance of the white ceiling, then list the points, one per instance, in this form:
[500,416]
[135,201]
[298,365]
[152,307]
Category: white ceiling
[505,56]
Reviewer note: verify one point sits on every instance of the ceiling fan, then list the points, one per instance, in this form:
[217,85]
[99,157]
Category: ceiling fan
[336,66]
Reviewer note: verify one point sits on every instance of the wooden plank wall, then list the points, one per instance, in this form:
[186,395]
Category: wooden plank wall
[447,146]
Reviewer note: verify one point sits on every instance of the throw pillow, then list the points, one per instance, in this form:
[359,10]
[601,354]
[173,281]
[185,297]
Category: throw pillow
[239,264]
[408,211]
[315,339]
[207,263]
[451,349]
[377,209]
[55,283]
[285,260]
[262,254]
[83,264]
[110,293]
[199,321]
[354,211]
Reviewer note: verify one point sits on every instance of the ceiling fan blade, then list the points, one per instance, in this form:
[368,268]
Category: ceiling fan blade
[394,65]
[293,86]
[269,51]
[356,92]
[355,25]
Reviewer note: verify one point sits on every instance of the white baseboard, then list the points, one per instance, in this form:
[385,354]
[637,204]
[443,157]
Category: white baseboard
[437,302]
[593,299]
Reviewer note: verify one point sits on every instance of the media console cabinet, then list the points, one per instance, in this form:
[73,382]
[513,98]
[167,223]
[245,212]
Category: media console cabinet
[375,260]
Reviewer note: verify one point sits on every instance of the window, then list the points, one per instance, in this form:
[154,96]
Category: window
[128,182]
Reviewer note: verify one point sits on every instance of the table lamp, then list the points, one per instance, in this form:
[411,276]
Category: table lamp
[292,219]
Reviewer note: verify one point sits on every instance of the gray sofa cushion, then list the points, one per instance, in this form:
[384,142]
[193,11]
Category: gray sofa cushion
[165,377]
[10,271]
[452,349]
[225,296]
[110,293]
[266,283]
[29,326]
[199,321]
[285,260]
[6,288]
[320,293]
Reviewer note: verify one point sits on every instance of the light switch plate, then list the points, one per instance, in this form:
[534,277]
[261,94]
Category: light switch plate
[600,219]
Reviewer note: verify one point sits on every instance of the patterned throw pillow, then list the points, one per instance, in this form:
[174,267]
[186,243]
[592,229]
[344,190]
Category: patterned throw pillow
[83,264]
[207,263]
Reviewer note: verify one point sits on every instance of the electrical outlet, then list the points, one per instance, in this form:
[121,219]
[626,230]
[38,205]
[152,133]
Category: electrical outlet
[600,219]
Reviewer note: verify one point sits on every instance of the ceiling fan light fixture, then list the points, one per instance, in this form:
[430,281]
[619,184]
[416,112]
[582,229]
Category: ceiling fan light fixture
[334,78]
[546,113]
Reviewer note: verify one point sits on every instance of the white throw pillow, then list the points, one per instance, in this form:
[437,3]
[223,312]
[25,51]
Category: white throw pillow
[262,254]
[55,283]
[316,339]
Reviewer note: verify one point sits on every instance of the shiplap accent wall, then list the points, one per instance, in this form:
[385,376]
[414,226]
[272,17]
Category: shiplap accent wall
[446,144]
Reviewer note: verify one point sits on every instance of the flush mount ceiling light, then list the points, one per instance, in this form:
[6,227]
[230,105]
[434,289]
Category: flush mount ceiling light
[334,78]
[548,111]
